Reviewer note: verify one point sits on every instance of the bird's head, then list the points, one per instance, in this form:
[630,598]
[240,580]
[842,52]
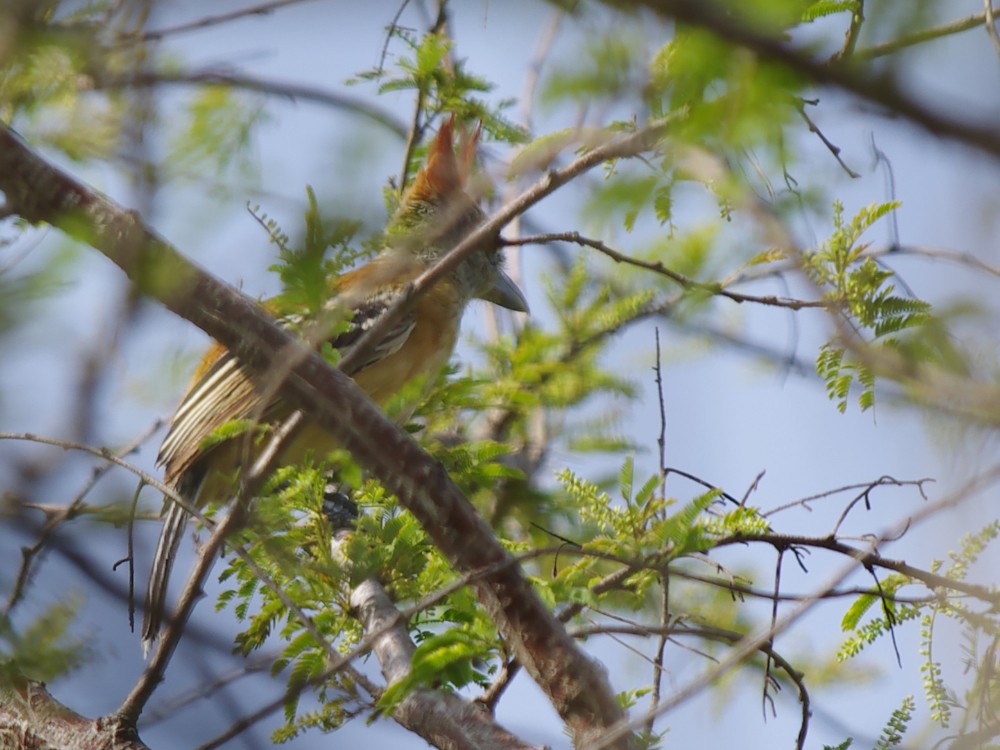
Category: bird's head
[437,212]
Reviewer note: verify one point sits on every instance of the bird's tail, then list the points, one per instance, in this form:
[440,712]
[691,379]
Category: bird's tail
[159,576]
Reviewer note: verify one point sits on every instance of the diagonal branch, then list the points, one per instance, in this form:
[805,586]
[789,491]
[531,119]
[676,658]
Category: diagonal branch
[577,687]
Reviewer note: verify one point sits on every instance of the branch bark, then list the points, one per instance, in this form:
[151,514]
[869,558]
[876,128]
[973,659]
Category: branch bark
[576,686]
[443,719]
[29,713]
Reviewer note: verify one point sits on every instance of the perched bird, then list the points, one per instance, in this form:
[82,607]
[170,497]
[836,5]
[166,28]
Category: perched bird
[434,215]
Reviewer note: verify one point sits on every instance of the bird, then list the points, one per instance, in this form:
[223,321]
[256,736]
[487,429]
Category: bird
[435,213]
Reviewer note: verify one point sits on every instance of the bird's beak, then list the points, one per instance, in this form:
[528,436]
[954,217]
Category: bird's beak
[506,294]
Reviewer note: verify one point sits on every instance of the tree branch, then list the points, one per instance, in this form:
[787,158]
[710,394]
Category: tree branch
[295,91]
[205,22]
[683,281]
[577,687]
[879,89]
[29,713]
[895,45]
[443,719]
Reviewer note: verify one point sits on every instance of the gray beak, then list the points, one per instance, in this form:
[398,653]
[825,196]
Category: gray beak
[506,294]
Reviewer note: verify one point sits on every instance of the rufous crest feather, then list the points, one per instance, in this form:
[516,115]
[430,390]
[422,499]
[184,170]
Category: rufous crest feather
[443,174]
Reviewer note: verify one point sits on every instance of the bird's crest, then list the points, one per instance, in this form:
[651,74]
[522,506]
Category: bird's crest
[443,174]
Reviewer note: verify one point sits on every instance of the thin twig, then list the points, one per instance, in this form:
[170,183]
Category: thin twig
[864,487]
[390,30]
[766,698]
[991,26]
[830,145]
[658,267]
[247,668]
[71,510]
[293,91]
[852,34]
[207,21]
[717,634]
[910,40]
[661,646]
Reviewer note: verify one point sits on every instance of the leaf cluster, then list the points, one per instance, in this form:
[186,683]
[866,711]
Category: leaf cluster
[976,625]
[863,292]
[44,649]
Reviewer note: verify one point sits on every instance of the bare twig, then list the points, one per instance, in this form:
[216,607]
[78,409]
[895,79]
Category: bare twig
[205,22]
[658,267]
[865,488]
[108,455]
[248,667]
[991,26]
[65,513]
[492,694]
[294,91]
[390,30]
[868,556]
[661,646]
[830,145]
[743,590]
[716,634]
[851,35]
[766,698]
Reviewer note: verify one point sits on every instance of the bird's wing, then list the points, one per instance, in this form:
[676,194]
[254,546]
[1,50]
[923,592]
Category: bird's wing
[224,393]
[365,315]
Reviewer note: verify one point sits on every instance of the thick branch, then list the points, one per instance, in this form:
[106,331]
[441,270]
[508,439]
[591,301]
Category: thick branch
[577,687]
[29,713]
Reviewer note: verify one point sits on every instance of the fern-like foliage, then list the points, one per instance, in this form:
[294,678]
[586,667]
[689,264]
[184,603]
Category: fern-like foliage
[43,649]
[895,727]
[862,292]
